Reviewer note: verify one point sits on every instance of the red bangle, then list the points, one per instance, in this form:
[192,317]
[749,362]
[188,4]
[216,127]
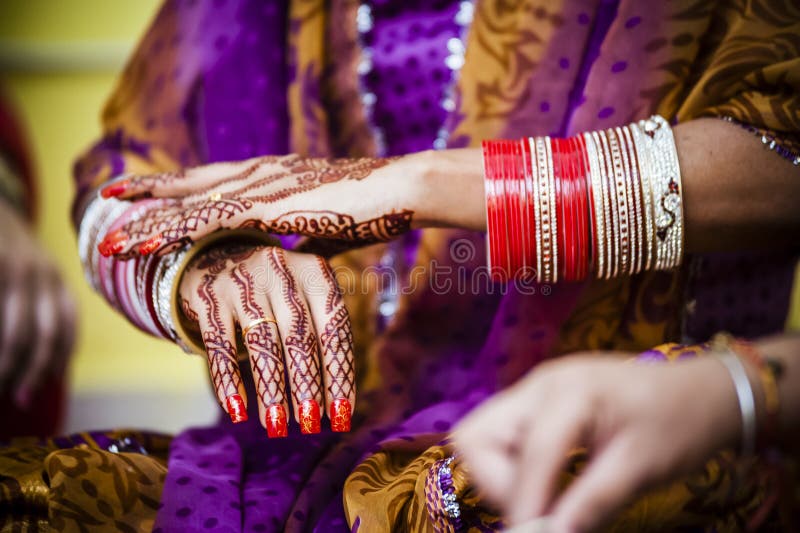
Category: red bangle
[511,181]
[582,212]
[492,208]
[575,247]
[519,195]
[570,271]
[591,229]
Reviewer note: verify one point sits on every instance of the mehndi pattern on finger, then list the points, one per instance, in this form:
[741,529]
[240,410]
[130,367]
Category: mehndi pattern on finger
[337,340]
[221,351]
[300,344]
[265,349]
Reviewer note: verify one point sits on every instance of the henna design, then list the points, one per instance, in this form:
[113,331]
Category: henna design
[187,311]
[301,344]
[221,351]
[337,352]
[267,360]
[338,226]
[150,181]
[217,258]
[265,349]
[334,292]
[242,278]
[222,364]
[180,221]
[318,171]
[206,293]
[337,340]
[155,219]
[190,220]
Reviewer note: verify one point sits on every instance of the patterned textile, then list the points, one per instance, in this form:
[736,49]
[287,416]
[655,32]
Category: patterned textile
[76,483]
[215,81]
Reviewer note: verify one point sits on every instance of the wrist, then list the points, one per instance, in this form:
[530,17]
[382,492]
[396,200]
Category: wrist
[447,189]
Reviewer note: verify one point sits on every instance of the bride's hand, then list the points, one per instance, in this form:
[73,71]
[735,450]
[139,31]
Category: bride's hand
[349,202]
[352,200]
[290,310]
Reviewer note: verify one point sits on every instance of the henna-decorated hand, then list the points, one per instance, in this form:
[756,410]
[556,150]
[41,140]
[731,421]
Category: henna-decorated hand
[320,198]
[232,287]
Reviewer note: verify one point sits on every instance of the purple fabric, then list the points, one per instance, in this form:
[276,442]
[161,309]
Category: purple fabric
[410,81]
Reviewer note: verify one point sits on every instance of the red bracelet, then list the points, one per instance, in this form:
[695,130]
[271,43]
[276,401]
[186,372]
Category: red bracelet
[571,272]
[591,227]
[519,193]
[492,208]
[582,210]
[511,180]
[529,207]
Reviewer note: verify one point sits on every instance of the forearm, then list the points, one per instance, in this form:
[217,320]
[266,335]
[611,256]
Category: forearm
[736,195]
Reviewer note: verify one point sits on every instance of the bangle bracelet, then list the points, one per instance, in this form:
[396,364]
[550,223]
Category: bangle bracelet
[747,404]
[769,371]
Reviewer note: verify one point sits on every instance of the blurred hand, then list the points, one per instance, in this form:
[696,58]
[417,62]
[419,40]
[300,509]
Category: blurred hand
[291,313]
[348,200]
[643,424]
[37,313]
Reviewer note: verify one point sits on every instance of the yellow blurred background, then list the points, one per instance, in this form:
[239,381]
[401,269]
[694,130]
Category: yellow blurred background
[58,63]
[59,60]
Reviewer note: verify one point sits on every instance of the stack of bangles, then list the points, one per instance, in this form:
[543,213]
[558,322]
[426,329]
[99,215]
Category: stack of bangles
[602,204]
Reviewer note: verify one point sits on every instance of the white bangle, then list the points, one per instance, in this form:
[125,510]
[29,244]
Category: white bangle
[747,402]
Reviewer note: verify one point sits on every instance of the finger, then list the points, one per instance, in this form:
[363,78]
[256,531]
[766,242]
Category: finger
[611,480]
[17,313]
[151,217]
[263,344]
[546,443]
[219,338]
[182,182]
[191,223]
[487,439]
[43,331]
[299,342]
[332,322]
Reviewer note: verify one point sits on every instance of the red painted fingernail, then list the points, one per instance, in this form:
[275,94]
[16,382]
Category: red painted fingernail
[115,189]
[341,412]
[276,421]
[309,417]
[236,408]
[113,243]
[150,245]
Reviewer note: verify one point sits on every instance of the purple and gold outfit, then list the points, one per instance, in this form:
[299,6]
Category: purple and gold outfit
[229,80]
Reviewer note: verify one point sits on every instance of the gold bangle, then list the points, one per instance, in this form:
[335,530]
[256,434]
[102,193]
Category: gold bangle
[191,344]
